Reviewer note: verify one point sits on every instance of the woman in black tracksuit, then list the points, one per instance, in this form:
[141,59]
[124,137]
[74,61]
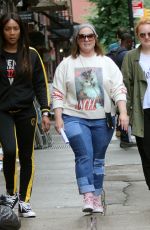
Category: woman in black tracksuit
[22,77]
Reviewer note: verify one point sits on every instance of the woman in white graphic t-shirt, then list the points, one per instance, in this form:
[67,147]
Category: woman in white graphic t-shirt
[87,85]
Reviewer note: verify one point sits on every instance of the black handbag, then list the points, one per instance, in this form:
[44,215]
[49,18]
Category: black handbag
[8,218]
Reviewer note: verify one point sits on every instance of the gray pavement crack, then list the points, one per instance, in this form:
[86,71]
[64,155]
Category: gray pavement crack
[126,193]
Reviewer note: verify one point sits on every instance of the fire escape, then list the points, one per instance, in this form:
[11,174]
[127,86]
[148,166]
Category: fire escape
[58,26]
[61,30]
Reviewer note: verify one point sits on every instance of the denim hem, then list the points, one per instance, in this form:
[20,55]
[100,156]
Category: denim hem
[98,192]
[87,188]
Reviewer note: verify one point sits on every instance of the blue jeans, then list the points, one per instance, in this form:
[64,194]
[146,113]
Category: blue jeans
[89,139]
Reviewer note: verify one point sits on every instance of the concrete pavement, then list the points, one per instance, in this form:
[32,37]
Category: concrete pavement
[57,203]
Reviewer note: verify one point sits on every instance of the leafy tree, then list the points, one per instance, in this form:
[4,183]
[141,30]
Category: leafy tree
[146,4]
[111,14]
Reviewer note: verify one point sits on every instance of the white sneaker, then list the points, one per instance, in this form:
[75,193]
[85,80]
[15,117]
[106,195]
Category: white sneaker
[25,210]
[88,202]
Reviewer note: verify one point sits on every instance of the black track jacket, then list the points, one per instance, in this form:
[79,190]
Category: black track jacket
[23,90]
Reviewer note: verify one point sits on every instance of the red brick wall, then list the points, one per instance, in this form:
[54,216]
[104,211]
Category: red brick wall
[80,9]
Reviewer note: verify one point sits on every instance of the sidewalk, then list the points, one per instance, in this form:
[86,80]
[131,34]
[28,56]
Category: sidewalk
[55,196]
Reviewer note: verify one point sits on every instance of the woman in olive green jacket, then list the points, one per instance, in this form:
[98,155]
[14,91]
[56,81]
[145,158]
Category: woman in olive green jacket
[136,72]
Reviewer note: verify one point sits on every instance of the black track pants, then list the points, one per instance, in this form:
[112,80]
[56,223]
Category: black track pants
[143,145]
[17,130]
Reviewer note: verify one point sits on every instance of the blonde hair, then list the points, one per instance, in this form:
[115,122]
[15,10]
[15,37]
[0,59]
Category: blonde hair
[142,21]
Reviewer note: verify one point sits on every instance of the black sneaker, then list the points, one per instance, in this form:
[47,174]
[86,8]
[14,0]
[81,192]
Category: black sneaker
[11,201]
[25,210]
[124,144]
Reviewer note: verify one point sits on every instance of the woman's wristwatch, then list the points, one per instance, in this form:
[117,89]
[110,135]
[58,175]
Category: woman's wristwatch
[47,114]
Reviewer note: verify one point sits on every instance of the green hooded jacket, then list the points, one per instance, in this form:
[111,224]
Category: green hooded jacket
[136,84]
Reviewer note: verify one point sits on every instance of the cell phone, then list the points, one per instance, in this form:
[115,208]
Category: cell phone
[109,121]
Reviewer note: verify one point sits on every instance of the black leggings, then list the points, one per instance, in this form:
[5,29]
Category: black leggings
[17,130]
[143,145]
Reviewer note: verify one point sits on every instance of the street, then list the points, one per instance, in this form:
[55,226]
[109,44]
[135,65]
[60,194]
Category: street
[55,196]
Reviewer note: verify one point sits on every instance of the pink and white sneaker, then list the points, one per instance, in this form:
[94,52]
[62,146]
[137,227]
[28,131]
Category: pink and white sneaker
[97,205]
[88,202]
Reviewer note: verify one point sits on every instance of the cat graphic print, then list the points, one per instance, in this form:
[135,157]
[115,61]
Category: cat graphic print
[89,88]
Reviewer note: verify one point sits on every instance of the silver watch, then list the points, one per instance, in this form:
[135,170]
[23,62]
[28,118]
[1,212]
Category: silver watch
[45,114]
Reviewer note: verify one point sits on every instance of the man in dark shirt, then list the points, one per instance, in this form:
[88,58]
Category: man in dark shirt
[125,46]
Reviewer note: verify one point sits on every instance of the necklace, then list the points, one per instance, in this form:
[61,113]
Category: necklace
[86,70]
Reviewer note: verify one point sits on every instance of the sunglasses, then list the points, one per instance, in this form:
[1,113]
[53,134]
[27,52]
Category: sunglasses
[143,35]
[90,37]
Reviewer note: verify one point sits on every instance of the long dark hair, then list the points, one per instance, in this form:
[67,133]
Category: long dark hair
[23,57]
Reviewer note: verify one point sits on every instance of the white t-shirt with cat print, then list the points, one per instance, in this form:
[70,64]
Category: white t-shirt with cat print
[88,87]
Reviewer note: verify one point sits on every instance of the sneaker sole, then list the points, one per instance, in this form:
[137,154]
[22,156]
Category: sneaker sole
[87,210]
[98,211]
[25,215]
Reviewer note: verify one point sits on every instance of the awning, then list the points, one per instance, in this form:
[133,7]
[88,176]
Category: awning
[63,34]
[50,5]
